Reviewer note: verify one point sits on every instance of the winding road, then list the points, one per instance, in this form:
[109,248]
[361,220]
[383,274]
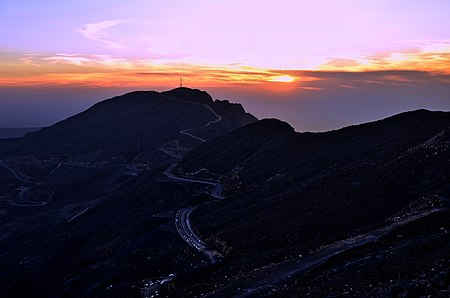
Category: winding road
[182,219]
[21,199]
[186,131]
[218,118]
[14,173]
[216,192]
[23,202]
[277,274]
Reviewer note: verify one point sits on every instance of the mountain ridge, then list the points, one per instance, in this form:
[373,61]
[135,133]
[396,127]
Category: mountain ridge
[185,196]
[130,126]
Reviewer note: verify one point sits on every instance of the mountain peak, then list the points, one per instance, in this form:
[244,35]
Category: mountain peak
[135,95]
[136,124]
[188,94]
[272,123]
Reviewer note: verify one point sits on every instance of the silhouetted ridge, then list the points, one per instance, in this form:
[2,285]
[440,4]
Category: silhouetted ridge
[127,103]
[133,96]
[223,153]
[290,187]
[271,124]
[134,126]
[362,211]
[288,148]
[6,133]
[192,95]
[416,117]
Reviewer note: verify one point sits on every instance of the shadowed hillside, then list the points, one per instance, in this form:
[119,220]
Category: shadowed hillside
[131,127]
[174,194]
[291,193]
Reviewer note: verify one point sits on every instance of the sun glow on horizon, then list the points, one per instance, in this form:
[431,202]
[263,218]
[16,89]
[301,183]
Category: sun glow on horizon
[282,79]
[136,46]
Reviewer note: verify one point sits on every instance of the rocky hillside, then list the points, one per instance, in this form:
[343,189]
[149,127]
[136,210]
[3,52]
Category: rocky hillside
[174,194]
[290,194]
[132,127]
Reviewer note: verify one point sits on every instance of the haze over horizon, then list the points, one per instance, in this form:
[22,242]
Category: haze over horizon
[318,65]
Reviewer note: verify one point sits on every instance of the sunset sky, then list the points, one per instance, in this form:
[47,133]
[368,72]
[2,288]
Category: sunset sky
[317,64]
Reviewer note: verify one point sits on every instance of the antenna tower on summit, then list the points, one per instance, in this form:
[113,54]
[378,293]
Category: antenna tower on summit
[181,82]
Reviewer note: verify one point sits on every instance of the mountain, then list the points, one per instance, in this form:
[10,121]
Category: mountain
[88,189]
[293,193]
[6,133]
[174,194]
[132,126]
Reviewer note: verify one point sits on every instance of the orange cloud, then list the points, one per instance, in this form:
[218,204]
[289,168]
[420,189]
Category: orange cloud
[433,57]
[104,70]
[114,71]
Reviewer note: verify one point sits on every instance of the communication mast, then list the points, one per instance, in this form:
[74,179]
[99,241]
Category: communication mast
[181,82]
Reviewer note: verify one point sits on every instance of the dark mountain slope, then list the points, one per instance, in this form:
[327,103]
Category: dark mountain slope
[234,111]
[6,133]
[348,212]
[87,192]
[225,153]
[371,140]
[120,127]
[235,114]
[283,185]
[291,193]
[191,95]
[134,125]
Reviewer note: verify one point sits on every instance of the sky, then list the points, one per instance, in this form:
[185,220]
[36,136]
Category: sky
[319,64]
